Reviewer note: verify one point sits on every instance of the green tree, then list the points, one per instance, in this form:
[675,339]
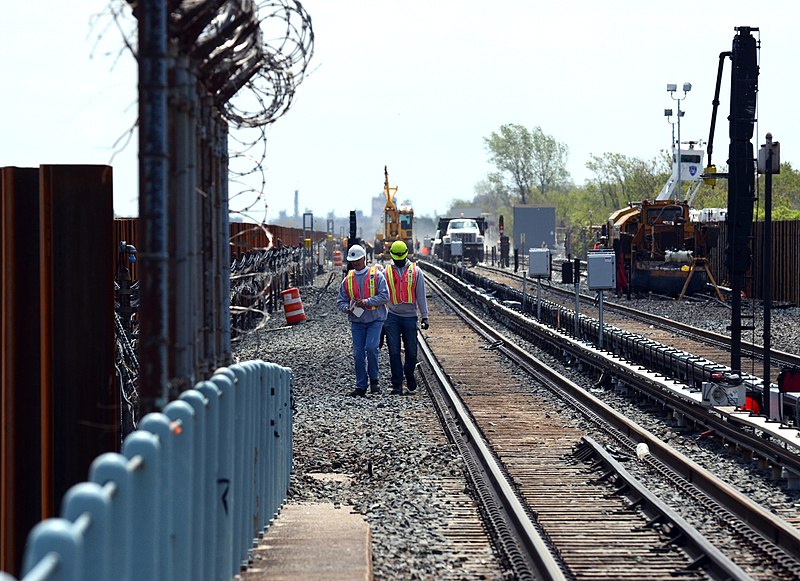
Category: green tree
[785,194]
[620,179]
[511,151]
[785,188]
[528,160]
[549,162]
[492,192]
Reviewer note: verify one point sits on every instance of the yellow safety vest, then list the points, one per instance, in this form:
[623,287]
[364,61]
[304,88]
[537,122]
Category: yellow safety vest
[402,289]
[370,289]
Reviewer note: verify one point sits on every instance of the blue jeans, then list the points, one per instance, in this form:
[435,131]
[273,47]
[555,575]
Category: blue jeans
[405,328]
[366,337]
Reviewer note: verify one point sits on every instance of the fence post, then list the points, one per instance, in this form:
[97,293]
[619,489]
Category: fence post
[110,470]
[54,535]
[183,416]
[238,466]
[198,483]
[250,467]
[264,464]
[223,379]
[211,393]
[145,493]
[89,497]
[270,387]
[158,423]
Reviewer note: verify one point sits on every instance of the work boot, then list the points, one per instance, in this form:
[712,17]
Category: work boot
[374,386]
[397,389]
[412,384]
[358,392]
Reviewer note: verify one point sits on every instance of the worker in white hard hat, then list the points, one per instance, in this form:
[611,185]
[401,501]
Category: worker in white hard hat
[406,297]
[363,295]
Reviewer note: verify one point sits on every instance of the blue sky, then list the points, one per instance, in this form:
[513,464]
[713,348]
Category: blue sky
[415,85]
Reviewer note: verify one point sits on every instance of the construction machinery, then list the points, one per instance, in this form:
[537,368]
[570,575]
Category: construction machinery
[398,221]
[662,245]
[660,249]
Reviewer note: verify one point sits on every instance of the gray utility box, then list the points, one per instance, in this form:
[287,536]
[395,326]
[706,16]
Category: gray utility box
[539,263]
[456,248]
[601,271]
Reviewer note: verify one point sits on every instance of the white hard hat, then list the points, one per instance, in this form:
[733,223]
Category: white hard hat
[355,253]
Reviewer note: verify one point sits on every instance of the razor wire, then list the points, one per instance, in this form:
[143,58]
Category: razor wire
[250,56]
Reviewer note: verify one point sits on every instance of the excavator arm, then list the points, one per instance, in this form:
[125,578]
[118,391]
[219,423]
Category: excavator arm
[389,192]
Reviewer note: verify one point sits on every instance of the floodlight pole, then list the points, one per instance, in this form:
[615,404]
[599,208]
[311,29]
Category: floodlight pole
[671,89]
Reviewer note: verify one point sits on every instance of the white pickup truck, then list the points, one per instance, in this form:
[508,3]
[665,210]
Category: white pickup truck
[463,240]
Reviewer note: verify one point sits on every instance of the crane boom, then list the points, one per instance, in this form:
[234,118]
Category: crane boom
[397,220]
[389,192]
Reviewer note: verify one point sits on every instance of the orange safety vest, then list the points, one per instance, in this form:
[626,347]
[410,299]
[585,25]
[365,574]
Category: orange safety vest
[402,289]
[370,288]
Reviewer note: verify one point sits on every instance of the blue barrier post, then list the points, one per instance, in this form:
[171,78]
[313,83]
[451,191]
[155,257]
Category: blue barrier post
[271,391]
[89,498]
[143,450]
[182,415]
[241,536]
[212,502]
[196,485]
[159,424]
[223,379]
[54,536]
[111,471]
[261,456]
[195,399]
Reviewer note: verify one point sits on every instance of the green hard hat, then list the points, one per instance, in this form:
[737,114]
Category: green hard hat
[399,250]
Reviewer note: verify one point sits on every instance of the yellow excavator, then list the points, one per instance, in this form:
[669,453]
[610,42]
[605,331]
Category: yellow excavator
[398,221]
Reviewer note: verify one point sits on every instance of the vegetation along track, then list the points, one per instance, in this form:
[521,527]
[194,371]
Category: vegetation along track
[535,436]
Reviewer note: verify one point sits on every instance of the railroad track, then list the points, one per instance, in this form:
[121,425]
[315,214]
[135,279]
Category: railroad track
[701,342]
[536,440]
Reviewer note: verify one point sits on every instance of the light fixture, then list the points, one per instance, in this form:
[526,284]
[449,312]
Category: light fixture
[678,158]
[667,112]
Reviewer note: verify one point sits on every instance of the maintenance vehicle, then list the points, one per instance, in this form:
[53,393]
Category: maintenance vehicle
[460,239]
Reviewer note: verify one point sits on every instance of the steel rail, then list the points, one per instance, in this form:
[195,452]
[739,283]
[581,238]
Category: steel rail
[530,544]
[776,450]
[767,525]
[628,371]
[713,338]
[703,554]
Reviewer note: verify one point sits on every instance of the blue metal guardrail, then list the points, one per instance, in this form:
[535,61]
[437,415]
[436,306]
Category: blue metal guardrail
[192,489]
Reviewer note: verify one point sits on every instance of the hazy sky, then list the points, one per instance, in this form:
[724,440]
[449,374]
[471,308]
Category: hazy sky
[416,85]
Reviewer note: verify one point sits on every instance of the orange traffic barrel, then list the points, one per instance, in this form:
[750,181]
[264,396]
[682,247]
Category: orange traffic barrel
[337,258]
[293,306]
